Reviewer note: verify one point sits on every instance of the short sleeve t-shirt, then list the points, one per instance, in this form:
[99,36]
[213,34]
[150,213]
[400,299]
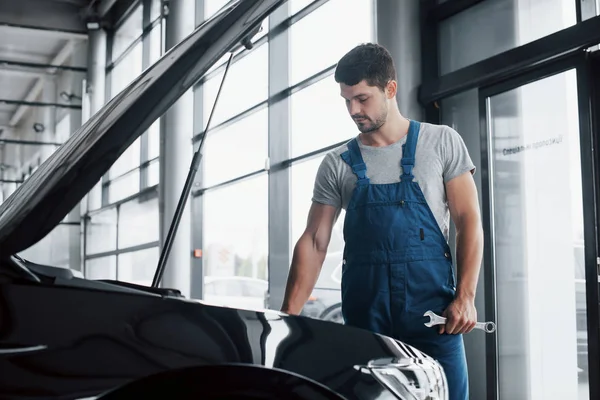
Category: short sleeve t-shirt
[441,155]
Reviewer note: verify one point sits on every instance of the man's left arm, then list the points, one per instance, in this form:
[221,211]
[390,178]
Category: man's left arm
[464,210]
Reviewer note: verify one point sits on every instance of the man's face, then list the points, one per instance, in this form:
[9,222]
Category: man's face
[367,105]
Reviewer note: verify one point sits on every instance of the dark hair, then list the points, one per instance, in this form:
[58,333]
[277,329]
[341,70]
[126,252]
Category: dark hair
[370,62]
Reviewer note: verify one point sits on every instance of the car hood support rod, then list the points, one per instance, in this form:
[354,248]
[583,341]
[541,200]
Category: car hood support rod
[185,193]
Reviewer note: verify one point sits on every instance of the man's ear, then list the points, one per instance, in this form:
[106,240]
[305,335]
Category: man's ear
[391,89]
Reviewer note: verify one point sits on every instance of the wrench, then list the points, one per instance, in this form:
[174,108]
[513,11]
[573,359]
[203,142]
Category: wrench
[435,319]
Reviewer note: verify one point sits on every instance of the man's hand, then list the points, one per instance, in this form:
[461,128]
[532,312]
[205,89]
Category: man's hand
[461,316]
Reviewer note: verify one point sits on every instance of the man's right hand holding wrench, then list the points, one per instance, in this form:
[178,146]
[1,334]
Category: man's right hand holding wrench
[435,319]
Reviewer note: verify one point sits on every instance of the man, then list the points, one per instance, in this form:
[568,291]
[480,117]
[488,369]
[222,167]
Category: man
[399,181]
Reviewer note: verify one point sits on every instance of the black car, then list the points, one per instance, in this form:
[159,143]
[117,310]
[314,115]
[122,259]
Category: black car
[65,337]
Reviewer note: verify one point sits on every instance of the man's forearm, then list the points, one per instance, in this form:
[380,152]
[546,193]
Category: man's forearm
[469,252]
[304,271]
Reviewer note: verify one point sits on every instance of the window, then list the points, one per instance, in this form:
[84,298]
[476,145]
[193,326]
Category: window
[319,117]
[298,5]
[55,248]
[236,229]
[155,44]
[138,222]
[127,33]
[154,140]
[138,267]
[94,197]
[499,25]
[236,150]
[245,86]
[129,160]
[126,70]
[212,7]
[101,232]
[316,42]
[101,268]
[155,10]
[123,187]
[302,183]
[534,135]
[154,173]
[63,128]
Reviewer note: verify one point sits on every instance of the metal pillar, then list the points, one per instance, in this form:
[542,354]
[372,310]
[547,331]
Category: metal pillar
[78,57]
[279,149]
[175,157]
[48,115]
[96,83]
[398,30]
[197,202]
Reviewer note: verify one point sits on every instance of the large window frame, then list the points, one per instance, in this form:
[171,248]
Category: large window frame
[152,22]
[280,160]
[528,62]
[279,157]
[149,26]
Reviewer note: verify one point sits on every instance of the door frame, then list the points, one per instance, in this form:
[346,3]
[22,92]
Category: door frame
[588,96]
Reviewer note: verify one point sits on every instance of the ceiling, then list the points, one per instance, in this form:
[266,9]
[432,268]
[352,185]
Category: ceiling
[33,35]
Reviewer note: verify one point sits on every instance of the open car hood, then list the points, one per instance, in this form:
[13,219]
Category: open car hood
[56,187]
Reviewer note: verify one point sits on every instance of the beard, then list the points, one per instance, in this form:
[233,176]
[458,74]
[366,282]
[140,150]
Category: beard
[367,124]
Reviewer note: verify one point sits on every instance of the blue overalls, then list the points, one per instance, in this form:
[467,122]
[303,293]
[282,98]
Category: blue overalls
[397,264]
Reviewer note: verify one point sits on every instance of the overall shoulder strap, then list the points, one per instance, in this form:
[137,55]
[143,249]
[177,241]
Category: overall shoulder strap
[408,151]
[354,159]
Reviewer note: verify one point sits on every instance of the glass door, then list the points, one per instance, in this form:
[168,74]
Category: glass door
[541,243]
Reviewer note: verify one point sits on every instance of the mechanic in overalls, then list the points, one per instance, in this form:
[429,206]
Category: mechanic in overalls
[399,182]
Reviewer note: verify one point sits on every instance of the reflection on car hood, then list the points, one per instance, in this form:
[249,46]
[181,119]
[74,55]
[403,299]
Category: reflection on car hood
[56,187]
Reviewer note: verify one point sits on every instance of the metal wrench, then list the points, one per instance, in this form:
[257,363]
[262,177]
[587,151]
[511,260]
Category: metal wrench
[435,319]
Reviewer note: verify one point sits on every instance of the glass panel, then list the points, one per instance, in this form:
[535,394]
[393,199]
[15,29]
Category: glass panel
[94,197]
[126,70]
[231,100]
[130,30]
[55,248]
[155,43]
[101,232]
[499,25]
[63,128]
[224,161]
[325,300]
[154,173]
[211,7]
[123,187]
[138,222]
[298,5]
[313,47]
[101,268]
[129,160]
[138,266]
[538,238]
[154,140]
[155,11]
[236,241]
[319,117]
[589,8]
[221,62]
